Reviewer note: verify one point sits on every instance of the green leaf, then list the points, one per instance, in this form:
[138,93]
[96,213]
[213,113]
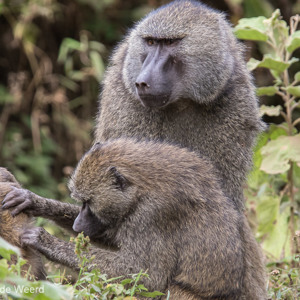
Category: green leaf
[266,90]
[54,291]
[297,76]
[97,46]
[293,42]
[67,45]
[267,213]
[3,268]
[97,64]
[270,63]
[126,281]
[252,64]
[251,29]
[278,237]
[6,249]
[272,111]
[76,75]
[294,90]
[277,154]
[151,294]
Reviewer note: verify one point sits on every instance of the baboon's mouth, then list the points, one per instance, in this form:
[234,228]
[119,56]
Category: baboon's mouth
[154,101]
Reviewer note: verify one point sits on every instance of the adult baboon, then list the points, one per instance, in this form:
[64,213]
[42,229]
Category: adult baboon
[161,209]
[11,229]
[180,76]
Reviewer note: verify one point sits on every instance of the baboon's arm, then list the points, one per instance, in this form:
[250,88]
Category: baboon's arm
[113,263]
[22,200]
[50,246]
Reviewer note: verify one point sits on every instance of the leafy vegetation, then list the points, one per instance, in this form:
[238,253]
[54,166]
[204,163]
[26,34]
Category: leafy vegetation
[274,185]
[273,191]
[89,285]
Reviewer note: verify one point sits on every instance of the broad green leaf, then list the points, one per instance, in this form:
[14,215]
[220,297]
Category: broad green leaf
[294,90]
[278,237]
[252,64]
[266,90]
[297,76]
[251,29]
[274,64]
[293,42]
[271,111]
[267,213]
[270,63]
[277,154]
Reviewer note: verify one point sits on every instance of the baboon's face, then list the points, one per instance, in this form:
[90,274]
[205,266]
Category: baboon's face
[179,51]
[160,71]
[106,195]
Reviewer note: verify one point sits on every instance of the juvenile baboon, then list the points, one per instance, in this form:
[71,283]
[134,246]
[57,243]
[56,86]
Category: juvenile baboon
[11,229]
[161,208]
[179,76]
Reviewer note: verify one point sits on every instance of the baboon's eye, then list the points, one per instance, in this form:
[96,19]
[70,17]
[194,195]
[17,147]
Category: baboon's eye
[169,42]
[150,42]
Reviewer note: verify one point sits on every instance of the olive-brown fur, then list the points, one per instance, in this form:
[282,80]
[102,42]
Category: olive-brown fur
[11,229]
[162,210]
[213,108]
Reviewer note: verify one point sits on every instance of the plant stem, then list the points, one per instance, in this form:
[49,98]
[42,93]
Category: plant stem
[292,209]
[288,99]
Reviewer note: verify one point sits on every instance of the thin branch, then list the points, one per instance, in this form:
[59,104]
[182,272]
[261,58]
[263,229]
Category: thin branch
[297,121]
[295,106]
[284,115]
[281,94]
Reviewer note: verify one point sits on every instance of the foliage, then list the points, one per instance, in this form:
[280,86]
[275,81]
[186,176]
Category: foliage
[13,286]
[89,285]
[274,184]
[284,281]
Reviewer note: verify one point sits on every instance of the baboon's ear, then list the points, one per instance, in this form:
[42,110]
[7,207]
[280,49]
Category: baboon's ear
[120,181]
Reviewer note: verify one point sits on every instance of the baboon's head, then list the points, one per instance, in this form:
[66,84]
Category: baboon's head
[100,183]
[124,179]
[179,51]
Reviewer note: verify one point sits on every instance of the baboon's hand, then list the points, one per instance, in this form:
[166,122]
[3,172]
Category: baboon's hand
[53,248]
[17,198]
[34,237]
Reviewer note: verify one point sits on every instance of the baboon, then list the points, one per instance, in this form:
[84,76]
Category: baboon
[179,76]
[11,229]
[161,208]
